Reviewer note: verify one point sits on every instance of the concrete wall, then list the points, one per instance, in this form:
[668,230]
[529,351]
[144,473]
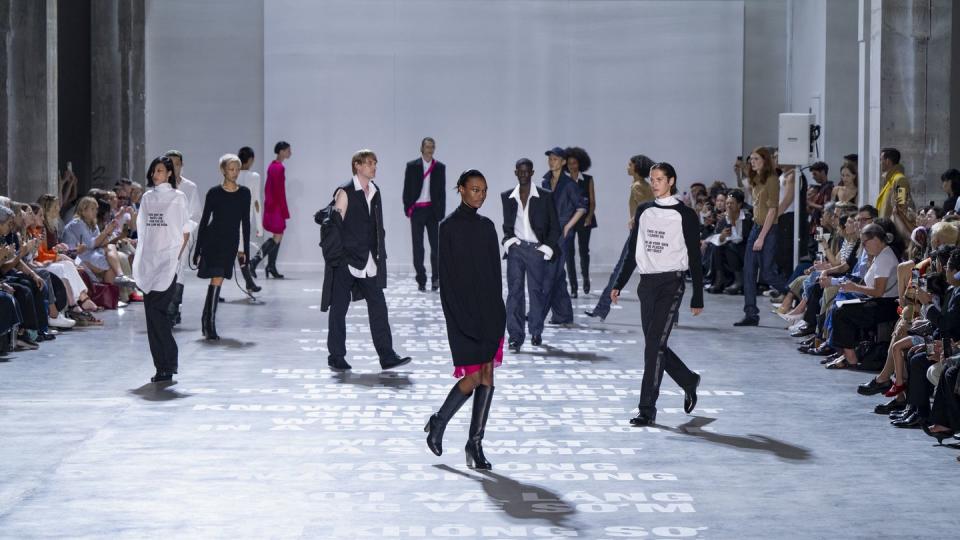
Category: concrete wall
[764,71]
[204,82]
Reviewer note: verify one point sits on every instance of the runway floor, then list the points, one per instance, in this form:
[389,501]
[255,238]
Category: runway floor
[259,440]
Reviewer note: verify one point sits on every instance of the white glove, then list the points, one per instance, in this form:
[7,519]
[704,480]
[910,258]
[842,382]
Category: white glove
[547,252]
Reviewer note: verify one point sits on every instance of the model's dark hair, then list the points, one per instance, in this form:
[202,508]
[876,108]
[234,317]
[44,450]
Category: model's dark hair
[738,195]
[892,154]
[167,164]
[280,146]
[852,157]
[581,155]
[820,166]
[425,141]
[468,174]
[523,161]
[245,154]
[641,164]
[669,171]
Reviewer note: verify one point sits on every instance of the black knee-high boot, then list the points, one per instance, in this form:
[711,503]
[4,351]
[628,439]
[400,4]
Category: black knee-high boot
[482,397]
[264,251]
[250,284]
[272,262]
[209,319]
[438,421]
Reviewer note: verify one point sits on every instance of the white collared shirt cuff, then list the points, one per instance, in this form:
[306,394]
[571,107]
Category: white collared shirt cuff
[510,243]
[547,252]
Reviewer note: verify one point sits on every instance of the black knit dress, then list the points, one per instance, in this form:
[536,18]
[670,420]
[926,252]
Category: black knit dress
[225,213]
[471,289]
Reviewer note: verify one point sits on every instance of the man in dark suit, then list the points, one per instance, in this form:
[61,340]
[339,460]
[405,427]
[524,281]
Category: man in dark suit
[530,234]
[424,202]
[361,271]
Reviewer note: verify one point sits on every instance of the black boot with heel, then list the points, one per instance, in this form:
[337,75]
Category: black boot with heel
[482,397]
[438,421]
[208,321]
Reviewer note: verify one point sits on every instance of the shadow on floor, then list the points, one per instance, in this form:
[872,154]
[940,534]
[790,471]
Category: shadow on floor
[227,343]
[554,352]
[521,501]
[752,442]
[384,379]
[158,392]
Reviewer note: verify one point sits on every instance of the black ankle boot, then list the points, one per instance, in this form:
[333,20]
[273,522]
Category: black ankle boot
[209,319]
[438,421]
[272,262]
[264,251]
[250,284]
[482,397]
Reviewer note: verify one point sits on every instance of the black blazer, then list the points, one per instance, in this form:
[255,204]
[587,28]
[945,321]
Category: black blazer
[413,185]
[543,217]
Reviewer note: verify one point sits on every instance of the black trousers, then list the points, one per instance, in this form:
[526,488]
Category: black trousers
[919,389]
[31,299]
[660,296]
[850,319]
[727,260]
[583,246]
[343,283]
[424,218]
[946,403]
[163,346]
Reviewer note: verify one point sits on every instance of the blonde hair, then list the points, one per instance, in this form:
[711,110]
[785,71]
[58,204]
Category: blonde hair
[227,158]
[943,234]
[82,205]
[360,156]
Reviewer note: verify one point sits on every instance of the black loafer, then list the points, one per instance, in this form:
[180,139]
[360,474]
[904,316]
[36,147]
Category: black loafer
[748,321]
[910,421]
[515,345]
[641,420]
[395,361]
[536,340]
[873,387]
[890,406]
[690,397]
[594,314]
[162,376]
[422,287]
[803,332]
[338,365]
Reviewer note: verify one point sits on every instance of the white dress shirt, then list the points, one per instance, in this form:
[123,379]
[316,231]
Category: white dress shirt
[521,227]
[161,223]
[425,190]
[370,270]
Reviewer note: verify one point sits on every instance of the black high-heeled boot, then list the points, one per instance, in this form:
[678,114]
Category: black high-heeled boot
[438,420]
[209,320]
[482,397]
[250,284]
[264,251]
[272,262]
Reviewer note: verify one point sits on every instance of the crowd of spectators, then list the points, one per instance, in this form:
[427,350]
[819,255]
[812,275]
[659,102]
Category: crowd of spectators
[876,286]
[61,264]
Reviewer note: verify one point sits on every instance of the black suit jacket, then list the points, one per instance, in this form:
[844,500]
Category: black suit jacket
[543,217]
[413,185]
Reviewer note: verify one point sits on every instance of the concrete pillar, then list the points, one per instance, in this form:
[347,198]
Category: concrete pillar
[117,93]
[909,91]
[764,71]
[27,158]
[840,98]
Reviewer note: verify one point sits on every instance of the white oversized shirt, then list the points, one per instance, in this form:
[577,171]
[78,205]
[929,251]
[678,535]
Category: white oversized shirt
[161,224]
[425,190]
[370,270]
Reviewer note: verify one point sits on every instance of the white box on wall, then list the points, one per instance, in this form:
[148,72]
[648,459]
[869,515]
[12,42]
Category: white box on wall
[794,139]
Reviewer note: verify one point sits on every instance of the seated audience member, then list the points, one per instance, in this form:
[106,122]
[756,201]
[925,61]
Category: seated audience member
[879,292]
[27,287]
[92,245]
[727,262]
[950,181]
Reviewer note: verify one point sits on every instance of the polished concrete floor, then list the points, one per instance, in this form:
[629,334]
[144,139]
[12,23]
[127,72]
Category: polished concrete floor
[259,440]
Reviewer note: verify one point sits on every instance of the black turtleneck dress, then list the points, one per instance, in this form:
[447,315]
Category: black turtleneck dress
[471,289]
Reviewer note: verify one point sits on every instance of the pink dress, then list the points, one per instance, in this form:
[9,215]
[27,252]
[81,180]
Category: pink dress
[275,211]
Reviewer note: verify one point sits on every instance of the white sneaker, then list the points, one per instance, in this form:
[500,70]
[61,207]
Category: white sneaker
[61,321]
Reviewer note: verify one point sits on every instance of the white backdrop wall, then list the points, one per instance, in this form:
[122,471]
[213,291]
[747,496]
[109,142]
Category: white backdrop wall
[491,81]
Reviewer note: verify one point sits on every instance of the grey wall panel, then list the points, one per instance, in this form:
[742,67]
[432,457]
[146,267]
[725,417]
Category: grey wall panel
[204,82]
[494,81]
